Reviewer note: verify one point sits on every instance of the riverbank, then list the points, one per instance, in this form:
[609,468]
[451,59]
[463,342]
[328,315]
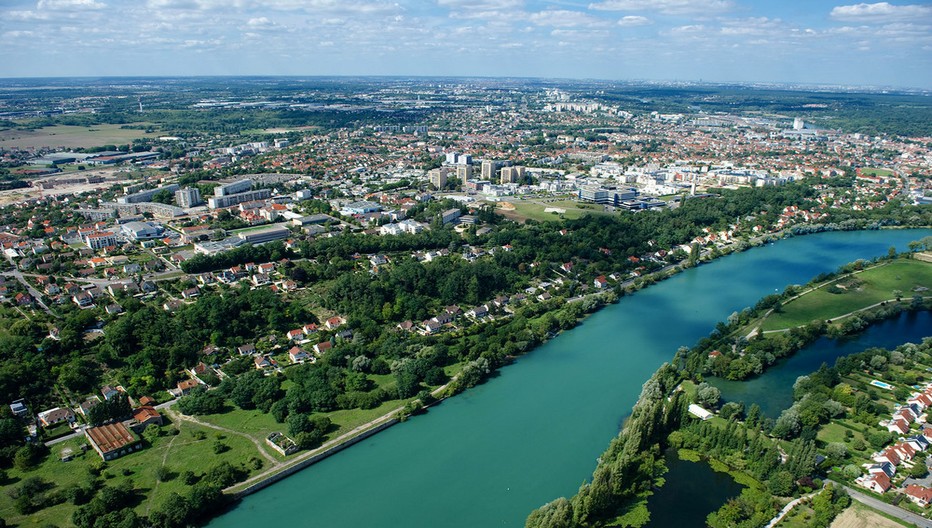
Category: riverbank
[608,356]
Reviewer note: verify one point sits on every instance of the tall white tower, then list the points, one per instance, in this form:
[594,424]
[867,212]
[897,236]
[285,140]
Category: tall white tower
[798,124]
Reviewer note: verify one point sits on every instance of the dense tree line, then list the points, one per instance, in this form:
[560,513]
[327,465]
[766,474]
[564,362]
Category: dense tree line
[630,464]
[738,358]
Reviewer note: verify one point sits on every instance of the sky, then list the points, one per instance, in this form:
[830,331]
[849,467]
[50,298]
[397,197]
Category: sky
[790,41]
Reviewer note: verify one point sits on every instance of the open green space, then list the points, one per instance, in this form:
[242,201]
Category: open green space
[877,172]
[528,210]
[71,136]
[190,450]
[853,292]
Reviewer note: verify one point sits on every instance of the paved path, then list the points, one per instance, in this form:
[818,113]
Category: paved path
[36,295]
[786,509]
[326,446]
[899,513]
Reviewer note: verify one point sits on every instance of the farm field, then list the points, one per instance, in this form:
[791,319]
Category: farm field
[70,136]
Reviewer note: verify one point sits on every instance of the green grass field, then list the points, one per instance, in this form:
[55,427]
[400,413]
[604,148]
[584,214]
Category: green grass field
[536,211]
[182,452]
[868,287]
[70,136]
[877,172]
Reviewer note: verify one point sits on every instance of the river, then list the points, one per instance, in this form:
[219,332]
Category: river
[489,456]
[773,390]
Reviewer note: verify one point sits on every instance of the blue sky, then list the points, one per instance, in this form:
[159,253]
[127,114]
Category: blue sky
[808,41]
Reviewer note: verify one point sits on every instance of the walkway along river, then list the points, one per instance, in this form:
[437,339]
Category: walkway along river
[489,456]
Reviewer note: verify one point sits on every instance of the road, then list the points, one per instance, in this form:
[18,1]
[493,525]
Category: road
[889,508]
[18,275]
[80,430]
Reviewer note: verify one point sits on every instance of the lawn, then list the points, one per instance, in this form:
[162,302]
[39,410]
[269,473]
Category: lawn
[835,432]
[536,211]
[70,136]
[182,452]
[856,292]
[877,172]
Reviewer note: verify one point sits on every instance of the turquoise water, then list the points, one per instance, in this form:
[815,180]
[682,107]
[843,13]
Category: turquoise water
[773,391]
[491,455]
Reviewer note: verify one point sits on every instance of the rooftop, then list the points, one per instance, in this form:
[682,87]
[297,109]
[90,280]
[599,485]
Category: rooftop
[110,437]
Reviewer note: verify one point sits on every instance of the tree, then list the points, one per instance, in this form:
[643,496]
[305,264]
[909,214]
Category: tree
[837,451]
[556,514]
[788,424]
[919,469]
[151,433]
[164,197]
[116,408]
[781,484]
[708,395]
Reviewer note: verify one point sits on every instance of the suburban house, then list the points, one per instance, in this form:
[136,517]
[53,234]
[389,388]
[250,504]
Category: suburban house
[54,416]
[144,417]
[264,362]
[112,440]
[322,347]
[108,392]
[87,404]
[876,482]
[334,322]
[187,385]
[246,350]
[919,495]
[297,355]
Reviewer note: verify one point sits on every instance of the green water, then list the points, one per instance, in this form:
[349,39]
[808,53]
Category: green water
[692,491]
[491,455]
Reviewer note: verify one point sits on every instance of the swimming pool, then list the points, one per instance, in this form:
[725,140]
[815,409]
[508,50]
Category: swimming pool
[882,385]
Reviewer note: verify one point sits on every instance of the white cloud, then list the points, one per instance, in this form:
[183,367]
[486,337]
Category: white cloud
[173,4]
[564,18]
[70,5]
[263,24]
[667,7]
[634,20]
[486,5]
[880,12]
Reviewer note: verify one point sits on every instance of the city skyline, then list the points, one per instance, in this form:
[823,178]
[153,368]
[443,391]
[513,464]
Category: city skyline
[818,42]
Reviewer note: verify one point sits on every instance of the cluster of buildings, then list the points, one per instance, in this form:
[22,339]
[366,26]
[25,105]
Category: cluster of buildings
[883,469]
[110,440]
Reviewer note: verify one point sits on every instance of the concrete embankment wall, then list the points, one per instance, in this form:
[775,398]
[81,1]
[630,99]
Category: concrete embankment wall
[272,479]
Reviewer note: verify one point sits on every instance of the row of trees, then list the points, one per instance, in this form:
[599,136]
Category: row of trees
[629,466]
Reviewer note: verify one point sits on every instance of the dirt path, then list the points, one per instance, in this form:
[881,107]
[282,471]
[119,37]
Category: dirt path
[155,488]
[275,462]
[756,329]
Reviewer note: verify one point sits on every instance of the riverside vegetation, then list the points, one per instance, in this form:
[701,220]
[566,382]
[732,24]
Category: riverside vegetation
[773,459]
[147,348]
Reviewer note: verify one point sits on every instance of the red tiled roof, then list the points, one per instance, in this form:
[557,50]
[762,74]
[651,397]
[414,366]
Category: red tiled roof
[110,437]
